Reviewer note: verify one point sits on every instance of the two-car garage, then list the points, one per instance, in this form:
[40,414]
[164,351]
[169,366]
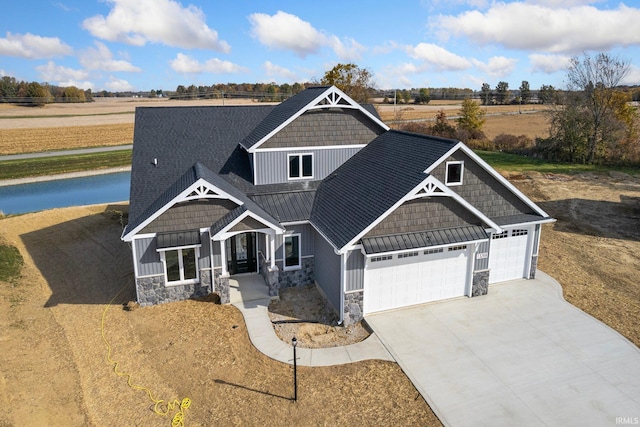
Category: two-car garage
[401,279]
[415,277]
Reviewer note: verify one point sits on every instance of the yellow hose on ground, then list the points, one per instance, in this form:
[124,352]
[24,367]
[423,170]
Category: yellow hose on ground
[181,405]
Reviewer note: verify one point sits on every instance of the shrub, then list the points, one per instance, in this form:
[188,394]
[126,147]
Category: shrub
[513,144]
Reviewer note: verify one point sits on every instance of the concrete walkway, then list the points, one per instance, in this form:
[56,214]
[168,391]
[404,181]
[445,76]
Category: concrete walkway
[249,294]
[519,356]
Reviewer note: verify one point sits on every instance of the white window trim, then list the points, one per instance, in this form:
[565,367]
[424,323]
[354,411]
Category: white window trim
[284,254]
[446,178]
[164,265]
[299,155]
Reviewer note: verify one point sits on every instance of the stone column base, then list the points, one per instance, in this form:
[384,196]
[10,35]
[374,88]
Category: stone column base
[480,283]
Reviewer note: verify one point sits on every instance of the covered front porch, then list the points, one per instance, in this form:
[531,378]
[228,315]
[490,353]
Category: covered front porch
[246,244]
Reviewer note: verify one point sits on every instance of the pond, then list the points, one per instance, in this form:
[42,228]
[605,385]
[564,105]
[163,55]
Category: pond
[60,193]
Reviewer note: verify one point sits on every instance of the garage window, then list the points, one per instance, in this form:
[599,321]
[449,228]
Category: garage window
[457,248]
[407,255]
[381,258]
[455,170]
[515,233]
[502,235]
[433,251]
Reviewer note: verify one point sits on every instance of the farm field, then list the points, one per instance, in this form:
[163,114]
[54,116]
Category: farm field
[109,122]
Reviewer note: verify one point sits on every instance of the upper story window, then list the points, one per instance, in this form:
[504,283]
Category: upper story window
[455,170]
[300,166]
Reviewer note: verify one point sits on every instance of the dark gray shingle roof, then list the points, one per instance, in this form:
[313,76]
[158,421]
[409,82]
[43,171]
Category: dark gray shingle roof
[371,182]
[518,219]
[281,113]
[424,239]
[180,136]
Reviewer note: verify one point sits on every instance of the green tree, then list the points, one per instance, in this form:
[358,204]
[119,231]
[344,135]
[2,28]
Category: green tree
[423,96]
[525,92]
[547,94]
[38,94]
[73,94]
[442,127]
[351,79]
[486,97]
[471,117]
[502,93]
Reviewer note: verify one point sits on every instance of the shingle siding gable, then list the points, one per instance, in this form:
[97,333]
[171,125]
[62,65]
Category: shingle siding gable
[319,128]
[482,190]
[190,216]
[423,215]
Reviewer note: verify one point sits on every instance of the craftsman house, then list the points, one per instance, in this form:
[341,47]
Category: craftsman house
[318,190]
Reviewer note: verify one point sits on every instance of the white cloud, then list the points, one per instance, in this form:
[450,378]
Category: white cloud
[137,22]
[50,72]
[348,50]
[548,63]
[497,66]
[2,73]
[632,77]
[538,27]
[118,85]
[101,58]
[188,65]
[278,72]
[285,31]
[437,57]
[31,46]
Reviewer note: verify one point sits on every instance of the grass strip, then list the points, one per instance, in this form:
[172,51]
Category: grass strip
[507,162]
[14,169]
[10,262]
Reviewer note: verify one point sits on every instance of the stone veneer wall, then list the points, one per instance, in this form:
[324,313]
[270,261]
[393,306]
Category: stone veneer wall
[221,286]
[534,267]
[152,290]
[480,283]
[271,276]
[304,276]
[353,307]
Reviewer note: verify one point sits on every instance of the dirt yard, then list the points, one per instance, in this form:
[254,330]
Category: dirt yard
[53,369]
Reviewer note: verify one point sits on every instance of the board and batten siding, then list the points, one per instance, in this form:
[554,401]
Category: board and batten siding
[328,271]
[354,275]
[271,167]
[306,240]
[482,257]
[148,262]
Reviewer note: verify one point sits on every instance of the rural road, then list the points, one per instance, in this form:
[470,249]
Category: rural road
[65,152]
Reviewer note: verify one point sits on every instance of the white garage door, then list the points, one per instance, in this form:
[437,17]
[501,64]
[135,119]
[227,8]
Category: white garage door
[508,255]
[400,280]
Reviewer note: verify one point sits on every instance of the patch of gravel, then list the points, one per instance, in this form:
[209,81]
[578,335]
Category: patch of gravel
[302,312]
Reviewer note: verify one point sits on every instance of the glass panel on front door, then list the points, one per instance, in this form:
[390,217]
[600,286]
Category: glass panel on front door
[241,253]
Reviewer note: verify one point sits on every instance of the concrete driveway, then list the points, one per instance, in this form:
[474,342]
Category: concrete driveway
[520,356]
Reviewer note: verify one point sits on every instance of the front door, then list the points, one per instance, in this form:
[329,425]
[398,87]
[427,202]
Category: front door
[241,253]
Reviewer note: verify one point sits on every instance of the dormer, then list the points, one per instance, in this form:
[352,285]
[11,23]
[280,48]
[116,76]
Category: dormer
[308,136]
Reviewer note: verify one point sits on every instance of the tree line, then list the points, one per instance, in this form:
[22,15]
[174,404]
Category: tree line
[37,94]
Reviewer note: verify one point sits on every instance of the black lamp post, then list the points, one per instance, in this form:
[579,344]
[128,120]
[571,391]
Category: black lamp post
[294,342]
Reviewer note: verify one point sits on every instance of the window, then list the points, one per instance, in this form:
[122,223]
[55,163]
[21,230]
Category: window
[502,235]
[407,255]
[457,248]
[300,166]
[522,232]
[291,252]
[181,265]
[454,173]
[433,251]
[381,258]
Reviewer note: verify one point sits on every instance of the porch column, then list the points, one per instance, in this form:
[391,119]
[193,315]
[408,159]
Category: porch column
[272,249]
[223,258]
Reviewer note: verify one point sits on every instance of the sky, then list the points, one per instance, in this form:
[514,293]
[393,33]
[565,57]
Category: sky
[139,45]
